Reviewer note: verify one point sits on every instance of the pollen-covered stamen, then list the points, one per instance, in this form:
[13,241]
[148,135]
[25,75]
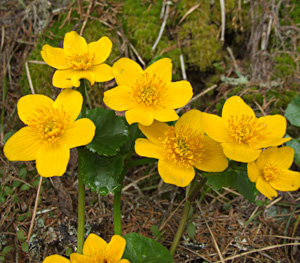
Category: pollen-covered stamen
[80,61]
[147,89]
[184,147]
[270,172]
[246,129]
[49,123]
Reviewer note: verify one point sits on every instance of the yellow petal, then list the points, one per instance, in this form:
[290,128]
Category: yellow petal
[235,106]
[142,115]
[240,152]
[148,149]
[126,71]
[176,94]
[267,156]
[155,132]
[28,105]
[102,72]
[165,114]
[276,125]
[268,142]
[124,261]
[71,102]
[54,57]
[22,146]
[173,173]
[215,127]
[253,172]
[119,99]
[190,120]
[101,49]
[52,159]
[56,259]
[63,78]
[213,158]
[74,44]
[79,133]
[285,157]
[94,246]
[286,181]
[115,249]
[82,74]
[78,258]
[162,69]
[264,187]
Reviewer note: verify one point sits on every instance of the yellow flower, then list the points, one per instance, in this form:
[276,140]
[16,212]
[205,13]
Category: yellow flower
[51,131]
[96,250]
[270,171]
[180,148]
[78,60]
[240,133]
[56,259]
[147,95]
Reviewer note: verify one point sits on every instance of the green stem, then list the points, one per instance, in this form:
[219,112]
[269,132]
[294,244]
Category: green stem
[81,185]
[194,189]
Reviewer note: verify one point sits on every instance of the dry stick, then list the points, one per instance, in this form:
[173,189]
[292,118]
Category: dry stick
[29,78]
[188,12]
[35,208]
[182,67]
[222,3]
[86,17]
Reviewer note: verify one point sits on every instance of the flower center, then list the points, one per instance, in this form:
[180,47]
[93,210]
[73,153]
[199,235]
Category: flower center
[49,123]
[185,147]
[147,89]
[246,129]
[270,172]
[80,61]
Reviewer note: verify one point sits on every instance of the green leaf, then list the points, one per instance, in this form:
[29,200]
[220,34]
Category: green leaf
[20,235]
[236,179]
[25,187]
[111,132]
[140,249]
[24,247]
[191,229]
[6,249]
[295,144]
[101,173]
[292,112]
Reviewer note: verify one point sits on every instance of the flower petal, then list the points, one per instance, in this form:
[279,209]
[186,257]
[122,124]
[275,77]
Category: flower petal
[115,248]
[285,157]
[253,172]
[264,187]
[78,258]
[22,146]
[28,105]
[126,71]
[54,57]
[286,181]
[215,127]
[276,125]
[101,49]
[165,114]
[52,159]
[102,72]
[79,133]
[82,74]
[235,106]
[141,114]
[176,94]
[56,259]
[119,99]
[173,173]
[155,132]
[71,102]
[190,120]
[124,261]
[268,142]
[161,68]
[63,78]
[240,152]
[94,246]
[74,43]
[146,148]
[213,158]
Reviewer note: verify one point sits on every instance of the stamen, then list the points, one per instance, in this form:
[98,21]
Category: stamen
[80,61]
[270,172]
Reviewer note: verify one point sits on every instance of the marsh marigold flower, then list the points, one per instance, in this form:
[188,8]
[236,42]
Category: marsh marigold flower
[56,259]
[271,171]
[51,131]
[147,95]
[78,60]
[180,148]
[240,133]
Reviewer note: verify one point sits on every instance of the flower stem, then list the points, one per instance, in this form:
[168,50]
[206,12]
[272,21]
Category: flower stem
[194,189]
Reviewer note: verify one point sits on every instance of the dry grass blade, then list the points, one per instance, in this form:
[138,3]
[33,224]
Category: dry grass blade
[192,9]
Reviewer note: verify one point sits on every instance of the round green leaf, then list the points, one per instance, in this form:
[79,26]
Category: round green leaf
[24,247]
[295,144]
[111,132]
[191,229]
[101,173]
[292,112]
[140,249]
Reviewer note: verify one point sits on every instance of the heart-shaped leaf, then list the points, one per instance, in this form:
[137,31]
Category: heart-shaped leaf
[292,112]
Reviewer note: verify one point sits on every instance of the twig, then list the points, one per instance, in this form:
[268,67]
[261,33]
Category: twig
[86,17]
[222,3]
[188,12]
[29,78]
[163,24]
[233,59]
[182,67]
